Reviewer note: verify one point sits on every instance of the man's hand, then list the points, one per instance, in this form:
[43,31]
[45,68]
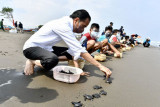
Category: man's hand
[107,71]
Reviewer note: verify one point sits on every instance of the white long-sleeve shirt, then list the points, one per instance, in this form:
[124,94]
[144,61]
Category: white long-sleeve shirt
[52,33]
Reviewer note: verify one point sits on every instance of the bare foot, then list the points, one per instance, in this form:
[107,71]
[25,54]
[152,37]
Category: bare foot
[85,74]
[28,70]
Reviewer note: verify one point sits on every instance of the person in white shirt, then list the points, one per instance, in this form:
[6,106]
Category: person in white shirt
[39,49]
[115,39]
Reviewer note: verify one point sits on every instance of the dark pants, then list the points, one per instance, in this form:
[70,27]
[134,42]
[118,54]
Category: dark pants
[146,44]
[117,46]
[2,28]
[48,59]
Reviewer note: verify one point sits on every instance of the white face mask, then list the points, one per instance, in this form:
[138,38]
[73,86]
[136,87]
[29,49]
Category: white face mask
[107,34]
[118,36]
[94,34]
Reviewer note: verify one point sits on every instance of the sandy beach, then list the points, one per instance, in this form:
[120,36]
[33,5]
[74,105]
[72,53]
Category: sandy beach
[135,80]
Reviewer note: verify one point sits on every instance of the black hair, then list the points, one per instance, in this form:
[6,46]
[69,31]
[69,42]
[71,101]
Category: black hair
[95,25]
[126,37]
[108,28]
[136,35]
[115,31]
[81,14]
[2,19]
[111,23]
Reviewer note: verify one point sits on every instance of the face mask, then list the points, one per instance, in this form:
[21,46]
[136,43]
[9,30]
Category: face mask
[118,36]
[94,34]
[107,34]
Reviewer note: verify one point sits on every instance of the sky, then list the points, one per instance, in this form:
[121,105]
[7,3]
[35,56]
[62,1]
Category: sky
[140,17]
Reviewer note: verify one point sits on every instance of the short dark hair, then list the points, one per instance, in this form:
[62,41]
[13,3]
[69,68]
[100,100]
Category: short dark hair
[115,31]
[108,28]
[95,25]
[111,23]
[126,37]
[2,19]
[81,14]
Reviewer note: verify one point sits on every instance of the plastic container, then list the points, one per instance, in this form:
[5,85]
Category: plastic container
[123,49]
[68,78]
[115,55]
[128,48]
[13,31]
[100,57]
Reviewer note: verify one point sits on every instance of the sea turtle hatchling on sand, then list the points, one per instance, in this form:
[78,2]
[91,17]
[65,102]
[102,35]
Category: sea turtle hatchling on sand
[96,95]
[102,92]
[87,97]
[107,79]
[77,104]
[97,87]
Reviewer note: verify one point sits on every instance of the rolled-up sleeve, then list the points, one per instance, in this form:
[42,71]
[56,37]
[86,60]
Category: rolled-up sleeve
[75,48]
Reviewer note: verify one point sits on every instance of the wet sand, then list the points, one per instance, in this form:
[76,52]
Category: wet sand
[135,80]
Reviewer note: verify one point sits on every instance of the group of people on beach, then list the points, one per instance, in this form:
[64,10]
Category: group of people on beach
[40,49]
[19,27]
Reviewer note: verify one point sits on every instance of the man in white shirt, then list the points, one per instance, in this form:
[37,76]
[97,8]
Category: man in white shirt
[40,49]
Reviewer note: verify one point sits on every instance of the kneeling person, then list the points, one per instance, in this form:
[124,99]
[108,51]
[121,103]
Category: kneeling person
[40,48]
[89,41]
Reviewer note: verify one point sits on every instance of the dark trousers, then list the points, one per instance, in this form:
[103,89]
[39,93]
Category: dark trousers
[48,59]
[145,44]
[2,28]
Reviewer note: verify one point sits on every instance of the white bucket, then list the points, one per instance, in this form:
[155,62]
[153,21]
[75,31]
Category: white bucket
[68,78]
[13,31]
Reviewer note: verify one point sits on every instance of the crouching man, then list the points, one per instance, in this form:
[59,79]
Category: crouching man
[39,49]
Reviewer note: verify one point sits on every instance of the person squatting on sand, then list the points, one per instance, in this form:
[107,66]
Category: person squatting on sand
[39,49]
[115,39]
[89,40]
[107,48]
[147,42]
[92,43]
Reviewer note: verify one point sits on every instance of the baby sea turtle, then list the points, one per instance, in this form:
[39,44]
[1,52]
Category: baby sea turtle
[70,72]
[87,97]
[96,95]
[77,104]
[108,79]
[97,87]
[102,92]
[66,72]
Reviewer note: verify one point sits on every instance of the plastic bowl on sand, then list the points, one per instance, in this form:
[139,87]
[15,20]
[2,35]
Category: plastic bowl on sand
[64,77]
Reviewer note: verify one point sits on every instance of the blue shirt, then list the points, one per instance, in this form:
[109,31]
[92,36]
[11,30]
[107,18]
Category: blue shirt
[147,41]
[101,38]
